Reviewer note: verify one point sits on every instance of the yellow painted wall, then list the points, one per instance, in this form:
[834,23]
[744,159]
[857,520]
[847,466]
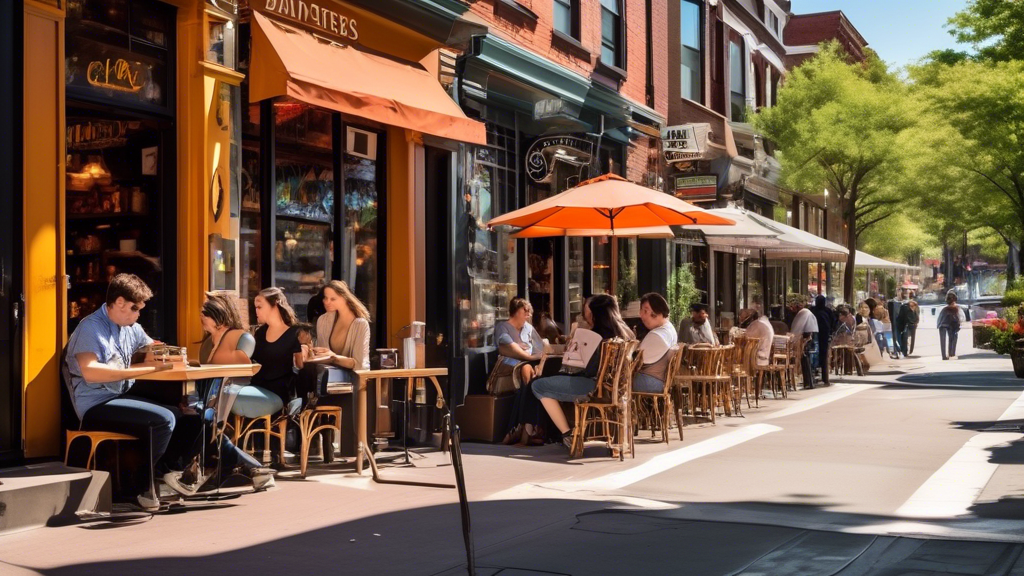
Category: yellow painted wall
[401,246]
[44,329]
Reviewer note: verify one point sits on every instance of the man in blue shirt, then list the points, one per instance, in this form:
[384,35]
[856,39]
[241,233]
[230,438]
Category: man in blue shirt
[99,372]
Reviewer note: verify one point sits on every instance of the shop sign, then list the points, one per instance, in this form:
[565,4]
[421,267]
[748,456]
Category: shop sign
[547,150]
[680,143]
[311,15]
[116,74]
[704,187]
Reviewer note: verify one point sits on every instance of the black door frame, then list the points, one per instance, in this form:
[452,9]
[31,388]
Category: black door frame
[12,295]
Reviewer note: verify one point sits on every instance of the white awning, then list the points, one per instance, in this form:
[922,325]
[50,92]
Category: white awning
[867,261]
[797,244]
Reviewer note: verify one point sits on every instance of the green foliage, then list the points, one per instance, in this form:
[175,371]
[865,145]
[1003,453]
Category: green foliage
[1002,341]
[1013,298]
[682,292]
[1011,314]
[848,128]
[975,114]
[899,237]
[626,289]
[994,27]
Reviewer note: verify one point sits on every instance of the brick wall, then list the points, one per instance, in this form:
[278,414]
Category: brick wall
[536,36]
[812,29]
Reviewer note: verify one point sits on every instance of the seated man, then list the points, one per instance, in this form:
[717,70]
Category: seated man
[697,329]
[758,326]
[657,345]
[98,369]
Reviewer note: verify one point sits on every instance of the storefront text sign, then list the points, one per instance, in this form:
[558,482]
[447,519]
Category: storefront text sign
[311,15]
[547,150]
[704,187]
[680,143]
[113,74]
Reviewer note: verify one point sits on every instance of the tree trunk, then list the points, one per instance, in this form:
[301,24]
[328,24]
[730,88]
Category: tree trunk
[851,244]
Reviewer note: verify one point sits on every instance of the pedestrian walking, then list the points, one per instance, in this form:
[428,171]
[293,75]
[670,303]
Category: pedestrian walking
[826,325]
[950,318]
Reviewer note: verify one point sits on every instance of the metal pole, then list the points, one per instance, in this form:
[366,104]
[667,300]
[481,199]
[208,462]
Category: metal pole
[460,481]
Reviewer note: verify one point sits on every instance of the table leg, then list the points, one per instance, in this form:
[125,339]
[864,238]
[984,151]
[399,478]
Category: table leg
[364,448]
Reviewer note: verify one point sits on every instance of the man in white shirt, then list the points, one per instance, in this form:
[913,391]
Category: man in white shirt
[759,327]
[805,326]
[697,328]
[657,345]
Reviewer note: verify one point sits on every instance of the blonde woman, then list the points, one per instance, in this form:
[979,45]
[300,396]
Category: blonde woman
[343,332]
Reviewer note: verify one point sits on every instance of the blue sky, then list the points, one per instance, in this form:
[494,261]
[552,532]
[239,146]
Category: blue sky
[901,31]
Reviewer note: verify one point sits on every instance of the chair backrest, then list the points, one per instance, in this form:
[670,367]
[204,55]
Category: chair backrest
[674,362]
[750,346]
[709,361]
[612,355]
[630,363]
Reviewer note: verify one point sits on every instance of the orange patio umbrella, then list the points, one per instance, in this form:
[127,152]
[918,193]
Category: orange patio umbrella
[608,205]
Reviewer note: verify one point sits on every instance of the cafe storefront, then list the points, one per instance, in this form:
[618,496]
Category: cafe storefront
[548,128]
[222,145]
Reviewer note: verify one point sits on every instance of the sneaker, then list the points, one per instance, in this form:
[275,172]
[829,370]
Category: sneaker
[148,503]
[186,486]
[952,357]
[293,407]
[567,441]
[262,478]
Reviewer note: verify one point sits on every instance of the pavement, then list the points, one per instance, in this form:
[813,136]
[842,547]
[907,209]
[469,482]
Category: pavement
[914,468]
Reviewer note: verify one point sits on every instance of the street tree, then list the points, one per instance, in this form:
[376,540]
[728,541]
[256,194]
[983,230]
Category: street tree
[979,107]
[994,27]
[845,127]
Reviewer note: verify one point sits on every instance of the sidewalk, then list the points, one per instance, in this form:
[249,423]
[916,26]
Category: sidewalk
[535,512]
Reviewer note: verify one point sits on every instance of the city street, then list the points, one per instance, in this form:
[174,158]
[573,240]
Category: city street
[913,468]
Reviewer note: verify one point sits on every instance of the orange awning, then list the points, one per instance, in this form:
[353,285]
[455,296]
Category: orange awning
[287,61]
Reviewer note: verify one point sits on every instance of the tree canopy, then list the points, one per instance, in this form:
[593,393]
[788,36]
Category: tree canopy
[994,27]
[849,128]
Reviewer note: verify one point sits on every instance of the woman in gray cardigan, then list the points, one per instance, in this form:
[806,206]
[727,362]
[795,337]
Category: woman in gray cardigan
[344,331]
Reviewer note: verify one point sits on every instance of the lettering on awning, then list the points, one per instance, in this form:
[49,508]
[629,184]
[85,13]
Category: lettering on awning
[311,15]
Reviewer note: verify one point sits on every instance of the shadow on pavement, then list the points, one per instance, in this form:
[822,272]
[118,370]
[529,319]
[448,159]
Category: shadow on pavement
[537,536]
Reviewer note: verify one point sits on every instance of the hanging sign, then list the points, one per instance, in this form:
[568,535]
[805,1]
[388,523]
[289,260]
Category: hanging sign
[680,143]
[547,150]
[311,15]
[694,188]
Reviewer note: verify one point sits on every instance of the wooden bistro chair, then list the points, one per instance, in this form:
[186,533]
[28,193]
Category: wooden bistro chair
[606,411]
[744,362]
[775,371]
[661,404]
[707,377]
[243,430]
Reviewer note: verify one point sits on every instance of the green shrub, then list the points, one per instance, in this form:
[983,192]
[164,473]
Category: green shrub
[1014,297]
[626,290]
[1002,341]
[682,292]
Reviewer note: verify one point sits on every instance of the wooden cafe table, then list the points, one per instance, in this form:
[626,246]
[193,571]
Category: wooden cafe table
[187,376]
[364,377]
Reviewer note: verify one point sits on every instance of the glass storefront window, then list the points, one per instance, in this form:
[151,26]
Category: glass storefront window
[626,283]
[575,278]
[304,201]
[485,260]
[360,235]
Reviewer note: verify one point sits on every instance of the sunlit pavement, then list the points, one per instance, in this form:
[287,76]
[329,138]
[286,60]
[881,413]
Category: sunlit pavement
[913,468]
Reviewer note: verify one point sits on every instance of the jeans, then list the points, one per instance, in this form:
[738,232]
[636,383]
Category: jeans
[140,418]
[951,335]
[563,387]
[646,383]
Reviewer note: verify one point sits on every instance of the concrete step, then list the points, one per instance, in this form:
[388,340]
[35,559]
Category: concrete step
[50,494]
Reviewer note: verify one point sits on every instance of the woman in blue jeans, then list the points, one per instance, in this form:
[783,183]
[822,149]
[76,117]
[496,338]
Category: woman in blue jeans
[572,384]
[948,323]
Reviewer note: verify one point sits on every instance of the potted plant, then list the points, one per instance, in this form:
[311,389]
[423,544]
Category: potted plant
[1008,339]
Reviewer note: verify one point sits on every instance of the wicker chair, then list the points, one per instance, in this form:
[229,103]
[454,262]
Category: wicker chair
[604,415]
[661,403]
[744,360]
[707,376]
[776,369]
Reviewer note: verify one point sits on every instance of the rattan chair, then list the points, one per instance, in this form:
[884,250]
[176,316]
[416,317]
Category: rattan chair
[776,369]
[744,359]
[604,415]
[706,377]
[661,403]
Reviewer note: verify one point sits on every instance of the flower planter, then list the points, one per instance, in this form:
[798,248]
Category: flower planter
[1017,356]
